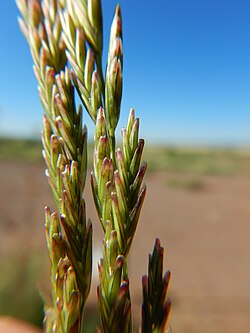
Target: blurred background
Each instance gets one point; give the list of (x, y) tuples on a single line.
[(187, 74)]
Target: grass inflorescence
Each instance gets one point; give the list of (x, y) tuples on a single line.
[(66, 44)]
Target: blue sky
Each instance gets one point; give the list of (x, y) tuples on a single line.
[(186, 71)]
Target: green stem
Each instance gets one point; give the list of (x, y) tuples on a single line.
[(100, 71), (112, 147)]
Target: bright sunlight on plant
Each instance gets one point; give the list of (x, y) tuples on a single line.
[(66, 42)]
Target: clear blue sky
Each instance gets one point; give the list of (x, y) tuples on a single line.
[(186, 71)]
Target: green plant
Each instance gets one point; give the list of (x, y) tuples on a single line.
[(65, 38)]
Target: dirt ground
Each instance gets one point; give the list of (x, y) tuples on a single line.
[(205, 233)]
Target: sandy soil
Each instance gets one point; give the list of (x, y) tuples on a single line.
[(205, 234), (11, 325)]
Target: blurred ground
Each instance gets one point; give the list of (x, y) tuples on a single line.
[(202, 219), (11, 325)]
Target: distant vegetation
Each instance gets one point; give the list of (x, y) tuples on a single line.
[(195, 161), (19, 293), (199, 161), (16, 149)]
